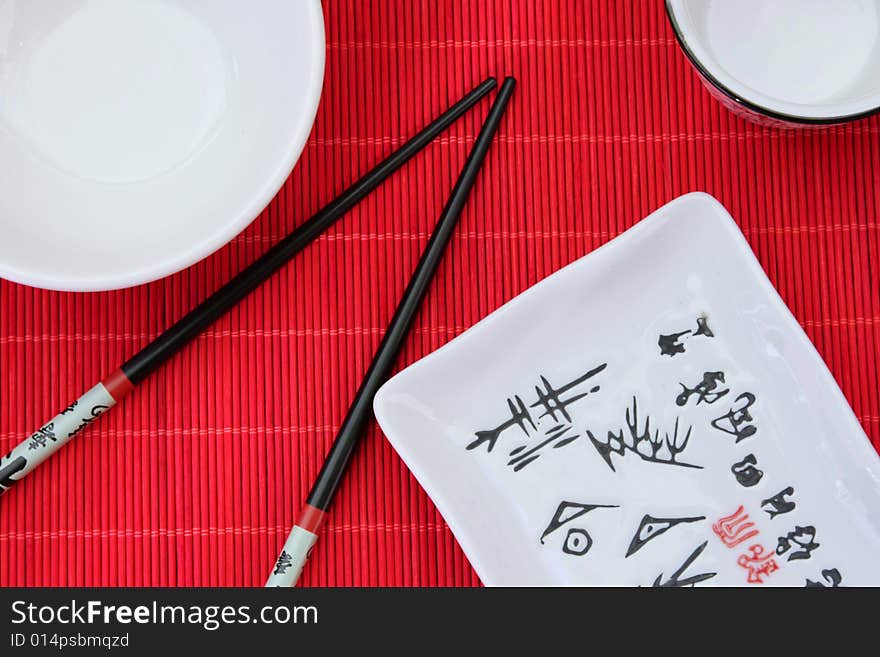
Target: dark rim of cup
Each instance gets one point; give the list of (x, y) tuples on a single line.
[(754, 107)]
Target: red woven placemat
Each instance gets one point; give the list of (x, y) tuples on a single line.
[(195, 479)]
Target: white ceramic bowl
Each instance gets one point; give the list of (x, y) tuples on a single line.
[(138, 137), (785, 61)]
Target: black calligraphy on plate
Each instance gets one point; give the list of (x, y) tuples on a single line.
[(577, 540), (746, 471), (651, 527), (737, 422), (673, 343), (538, 423), (648, 445), (832, 578), (798, 543), (778, 505), (551, 407), (676, 580), (706, 391)]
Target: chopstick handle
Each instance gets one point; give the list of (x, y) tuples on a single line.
[(297, 548), (53, 435)]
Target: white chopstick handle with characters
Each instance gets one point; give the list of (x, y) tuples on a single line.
[(297, 548), (53, 435)]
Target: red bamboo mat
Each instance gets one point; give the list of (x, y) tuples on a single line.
[(195, 479)]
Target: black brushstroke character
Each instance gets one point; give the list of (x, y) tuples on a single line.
[(831, 575), (553, 402), (778, 505), (551, 398), (745, 471), (42, 436), (670, 344), (519, 415), (703, 327), (803, 538), (706, 390), (651, 527), (95, 413), (10, 468), (647, 446), (70, 408), (735, 421), (674, 580), (577, 541), (285, 561), (522, 457), (555, 405)]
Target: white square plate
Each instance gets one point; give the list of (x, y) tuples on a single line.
[(529, 430)]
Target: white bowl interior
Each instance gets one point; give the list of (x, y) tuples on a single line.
[(137, 137), (804, 58)]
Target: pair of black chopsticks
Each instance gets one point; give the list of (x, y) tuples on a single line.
[(49, 438), (304, 534)]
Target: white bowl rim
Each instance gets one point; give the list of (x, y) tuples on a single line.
[(754, 100), (224, 235)]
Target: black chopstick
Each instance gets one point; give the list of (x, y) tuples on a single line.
[(35, 449), (304, 533)]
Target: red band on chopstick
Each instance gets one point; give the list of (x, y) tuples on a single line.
[(310, 518), (118, 385)]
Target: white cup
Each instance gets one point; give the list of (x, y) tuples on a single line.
[(785, 62)]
